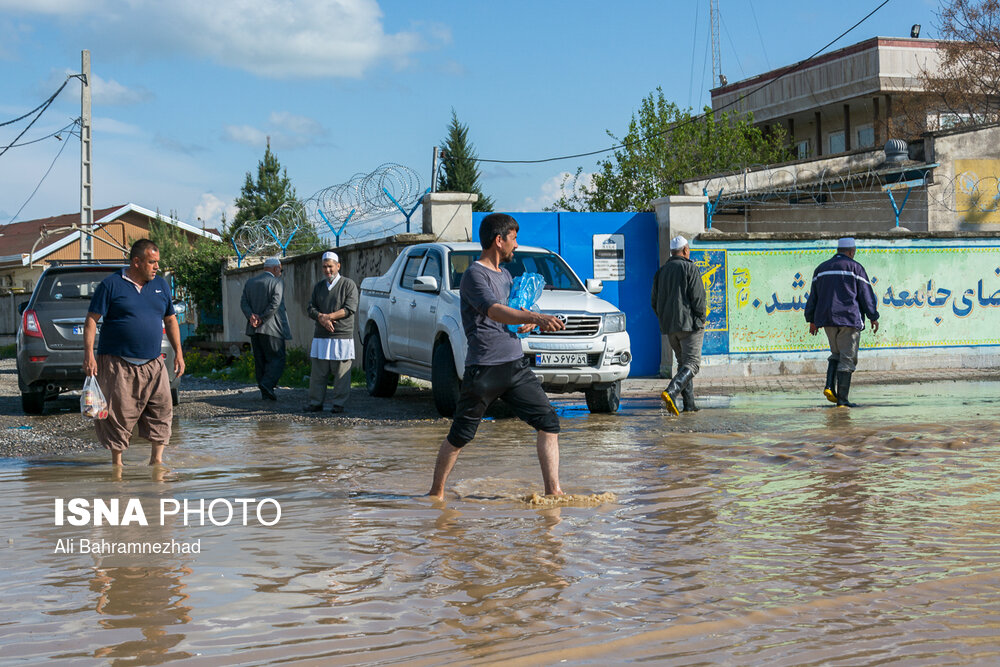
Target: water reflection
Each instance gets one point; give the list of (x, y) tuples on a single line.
[(149, 600), (774, 530)]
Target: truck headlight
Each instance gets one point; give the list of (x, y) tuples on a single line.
[(614, 322)]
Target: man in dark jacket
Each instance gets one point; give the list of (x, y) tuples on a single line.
[(333, 304), (840, 298), (263, 304), (679, 302)]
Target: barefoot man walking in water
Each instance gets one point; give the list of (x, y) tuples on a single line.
[(136, 307), (495, 366)]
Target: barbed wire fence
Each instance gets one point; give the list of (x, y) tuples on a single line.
[(369, 205), (870, 196)]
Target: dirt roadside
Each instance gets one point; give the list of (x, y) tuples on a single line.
[(62, 429)]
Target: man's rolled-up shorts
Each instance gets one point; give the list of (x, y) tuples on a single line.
[(515, 384), (137, 395)]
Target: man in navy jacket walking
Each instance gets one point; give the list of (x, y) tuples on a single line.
[(840, 298)]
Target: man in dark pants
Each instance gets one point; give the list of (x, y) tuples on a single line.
[(263, 304), (840, 298), (679, 301), (495, 366)]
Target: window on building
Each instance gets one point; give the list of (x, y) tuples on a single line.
[(836, 141), (866, 136), (802, 149)]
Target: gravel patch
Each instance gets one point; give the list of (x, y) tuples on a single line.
[(63, 430)]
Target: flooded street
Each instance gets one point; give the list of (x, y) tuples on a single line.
[(778, 531)]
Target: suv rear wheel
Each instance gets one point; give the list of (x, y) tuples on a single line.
[(606, 399), (33, 402), (445, 383), (379, 381)]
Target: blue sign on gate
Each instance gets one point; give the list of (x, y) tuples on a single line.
[(572, 236)]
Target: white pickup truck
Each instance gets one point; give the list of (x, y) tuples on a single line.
[(410, 324)]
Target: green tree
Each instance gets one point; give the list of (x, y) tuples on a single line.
[(459, 172), (195, 265), (261, 197), (663, 146)]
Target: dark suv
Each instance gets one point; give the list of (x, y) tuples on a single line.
[(50, 338)]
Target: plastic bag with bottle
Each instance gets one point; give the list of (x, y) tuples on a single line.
[(92, 401)]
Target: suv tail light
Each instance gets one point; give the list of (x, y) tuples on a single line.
[(29, 323)]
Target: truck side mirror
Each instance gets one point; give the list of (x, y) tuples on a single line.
[(425, 284), (595, 285)]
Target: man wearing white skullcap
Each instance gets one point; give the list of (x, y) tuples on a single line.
[(263, 304), (679, 301), (840, 298), (333, 303)]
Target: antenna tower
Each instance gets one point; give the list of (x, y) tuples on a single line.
[(713, 20)]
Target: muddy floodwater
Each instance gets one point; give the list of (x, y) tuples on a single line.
[(777, 531)]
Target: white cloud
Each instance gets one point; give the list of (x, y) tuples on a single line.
[(244, 134), (557, 186), (272, 38), (104, 92), (111, 126), (210, 210), (296, 124), (286, 131), (108, 92)]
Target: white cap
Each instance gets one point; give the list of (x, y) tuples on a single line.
[(678, 242), (272, 261), (328, 255), (846, 242)]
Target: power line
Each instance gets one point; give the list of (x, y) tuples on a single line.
[(47, 171), (45, 103), (759, 35), (47, 136), (693, 119), (40, 109)]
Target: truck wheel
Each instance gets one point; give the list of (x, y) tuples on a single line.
[(606, 400), (380, 382), (445, 383), (33, 402)]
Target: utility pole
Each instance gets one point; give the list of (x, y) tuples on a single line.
[(86, 175), (713, 19), (434, 170)]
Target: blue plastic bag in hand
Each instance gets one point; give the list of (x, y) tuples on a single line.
[(524, 293)]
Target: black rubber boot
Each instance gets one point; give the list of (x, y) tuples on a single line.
[(672, 394), (831, 382), (688, 396), (844, 389)]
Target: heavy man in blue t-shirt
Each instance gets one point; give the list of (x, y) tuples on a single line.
[(495, 366), (136, 307)]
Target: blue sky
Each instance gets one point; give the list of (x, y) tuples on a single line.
[(186, 91)]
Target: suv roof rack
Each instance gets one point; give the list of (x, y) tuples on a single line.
[(87, 262)]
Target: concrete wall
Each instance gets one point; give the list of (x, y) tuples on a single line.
[(301, 273), (964, 157), (10, 319), (447, 216), (938, 296)]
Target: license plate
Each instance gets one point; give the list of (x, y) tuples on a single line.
[(561, 359), (78, 330)]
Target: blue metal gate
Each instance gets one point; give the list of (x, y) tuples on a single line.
[(572, 236)]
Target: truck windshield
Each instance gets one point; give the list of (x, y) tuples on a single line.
[(550, 266)]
